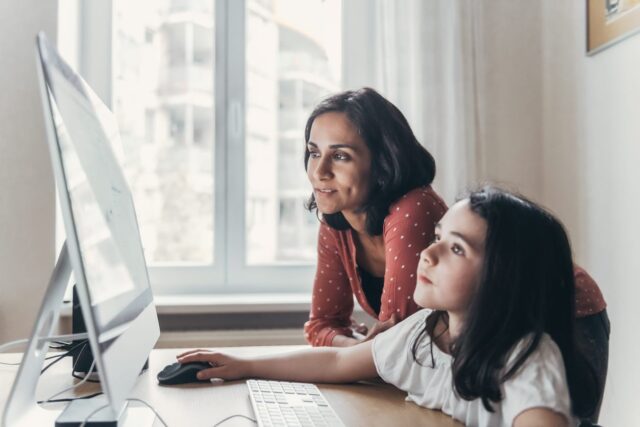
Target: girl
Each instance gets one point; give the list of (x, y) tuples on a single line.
[(495, 343)]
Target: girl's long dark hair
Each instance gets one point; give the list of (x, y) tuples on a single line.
[(526, 288), (398, 162)]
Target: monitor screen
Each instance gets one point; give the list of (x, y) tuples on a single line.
[(102, 209)]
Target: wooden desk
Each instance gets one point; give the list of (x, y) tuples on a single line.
[(361, 404)]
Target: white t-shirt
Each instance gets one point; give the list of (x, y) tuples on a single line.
[(540, 382)]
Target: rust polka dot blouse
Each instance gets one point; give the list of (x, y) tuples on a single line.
[(407, 230)]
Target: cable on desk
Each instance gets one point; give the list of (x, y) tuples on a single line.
[(83, 343), (75, 337), (84, 422), (74, 385), (70, 399), (234, 416), (18, 363), (133, 399)]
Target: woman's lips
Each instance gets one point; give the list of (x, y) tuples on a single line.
[(325, 192)]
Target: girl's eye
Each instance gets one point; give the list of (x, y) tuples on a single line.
[(456, 249)]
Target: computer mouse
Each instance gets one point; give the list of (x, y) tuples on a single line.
[(177, 373)]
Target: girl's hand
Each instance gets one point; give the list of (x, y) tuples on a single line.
[(381, 327), (222, 365)]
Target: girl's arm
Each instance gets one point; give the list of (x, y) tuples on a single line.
[(540, 417), (317, 365)]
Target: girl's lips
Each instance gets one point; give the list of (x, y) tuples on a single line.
[(424, 279)]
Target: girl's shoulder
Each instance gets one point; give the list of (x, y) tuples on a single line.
[(546, 352), (421, 199), (540, 382)]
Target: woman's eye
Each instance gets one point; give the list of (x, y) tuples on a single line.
[(341, 156), (314, 154)]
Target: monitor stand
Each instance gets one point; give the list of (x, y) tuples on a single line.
[(22, 408)]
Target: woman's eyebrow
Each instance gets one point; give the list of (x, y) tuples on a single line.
[(334, 146)]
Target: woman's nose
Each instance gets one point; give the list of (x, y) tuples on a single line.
[(321, 169)]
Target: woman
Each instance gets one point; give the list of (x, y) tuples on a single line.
[(371, 184)]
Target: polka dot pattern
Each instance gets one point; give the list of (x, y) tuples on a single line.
[(408, 227), (589, 299)]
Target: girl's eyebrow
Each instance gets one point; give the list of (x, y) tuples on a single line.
[(461, 236)]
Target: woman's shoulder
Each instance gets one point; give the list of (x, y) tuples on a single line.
[(419, 199), (329, 236), (422, 201)]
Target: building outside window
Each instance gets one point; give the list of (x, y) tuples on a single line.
[(217, 172)]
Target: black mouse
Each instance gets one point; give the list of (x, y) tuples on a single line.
[(177, 373)]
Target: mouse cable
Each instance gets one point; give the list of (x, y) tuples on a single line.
[(75, 337), (234, 416), (84, 422)]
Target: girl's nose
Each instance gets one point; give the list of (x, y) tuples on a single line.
[(429, 255)]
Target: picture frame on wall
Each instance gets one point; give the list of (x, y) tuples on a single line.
[(610, 21)]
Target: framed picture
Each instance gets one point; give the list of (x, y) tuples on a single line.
[(610, 21)]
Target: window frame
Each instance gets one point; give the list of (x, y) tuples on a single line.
[(230, 273)]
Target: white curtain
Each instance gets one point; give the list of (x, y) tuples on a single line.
[(424, 57)]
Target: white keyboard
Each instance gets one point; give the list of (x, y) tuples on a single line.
[(280, 403)]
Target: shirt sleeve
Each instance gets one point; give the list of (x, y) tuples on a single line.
[(408, 229), (589, 299), (391, 351), (332, 298), (540, 382)]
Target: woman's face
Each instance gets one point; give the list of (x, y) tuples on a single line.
[(339, 165), (449, 268)]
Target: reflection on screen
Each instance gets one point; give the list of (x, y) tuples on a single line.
[(101, 203)]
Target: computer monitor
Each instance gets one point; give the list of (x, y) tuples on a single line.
[(103, 248)]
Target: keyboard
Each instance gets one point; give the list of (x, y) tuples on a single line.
[(280, 403)]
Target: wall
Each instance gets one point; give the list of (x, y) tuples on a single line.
[(26, 191), (591, 153), (509, 82)]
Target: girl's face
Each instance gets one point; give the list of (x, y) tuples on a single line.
[(339, 165), (449, 268)]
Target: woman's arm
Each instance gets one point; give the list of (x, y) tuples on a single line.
[(318, 365), (332, 302), (540, 417)]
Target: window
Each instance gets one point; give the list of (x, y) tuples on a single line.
[(211, 98)]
